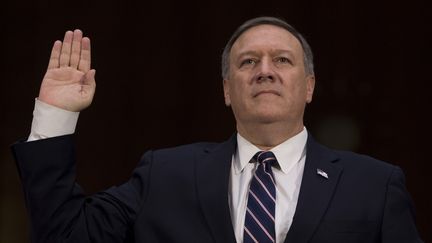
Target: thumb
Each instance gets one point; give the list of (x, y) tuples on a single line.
[(89, 78)]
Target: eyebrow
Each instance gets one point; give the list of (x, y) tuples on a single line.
[(256, 53)]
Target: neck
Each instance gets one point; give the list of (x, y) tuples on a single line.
[(268, 136)]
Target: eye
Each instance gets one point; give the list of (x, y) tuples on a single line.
[(283, 60), (248, 61)]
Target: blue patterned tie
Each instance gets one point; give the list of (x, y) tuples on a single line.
[(260, 211)]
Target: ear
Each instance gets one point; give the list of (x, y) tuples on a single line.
[(226, 92), (310, 86)]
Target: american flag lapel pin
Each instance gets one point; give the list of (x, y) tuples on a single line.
[(322, 173)]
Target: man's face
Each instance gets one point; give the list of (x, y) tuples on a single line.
[(267, 81)]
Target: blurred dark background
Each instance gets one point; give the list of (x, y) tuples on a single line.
[(159, 83)]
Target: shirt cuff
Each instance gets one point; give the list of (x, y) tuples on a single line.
[(50, 121)]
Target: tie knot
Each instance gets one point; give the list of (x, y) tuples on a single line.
[(265, 157)]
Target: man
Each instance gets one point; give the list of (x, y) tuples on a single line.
[(270, 182)]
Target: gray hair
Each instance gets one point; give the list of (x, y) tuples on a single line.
[(308, 56)]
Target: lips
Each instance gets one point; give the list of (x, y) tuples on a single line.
[(263, 92)]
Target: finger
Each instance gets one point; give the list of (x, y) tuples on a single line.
[(85, 60), (76, 48), (66, 49), (55, 55)]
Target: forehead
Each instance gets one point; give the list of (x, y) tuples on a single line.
[(266, 37)]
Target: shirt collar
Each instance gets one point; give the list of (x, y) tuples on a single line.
[(287, 153)]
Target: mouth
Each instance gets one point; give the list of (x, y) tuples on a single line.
[(266, 92)]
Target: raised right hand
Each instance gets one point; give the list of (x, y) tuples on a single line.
[(69, 83)]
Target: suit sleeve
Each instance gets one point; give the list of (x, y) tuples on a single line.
[(58, 209), (399, 216)]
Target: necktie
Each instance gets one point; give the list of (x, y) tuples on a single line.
[(260, 211)]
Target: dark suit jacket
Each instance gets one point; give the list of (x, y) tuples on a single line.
[(181, 195)]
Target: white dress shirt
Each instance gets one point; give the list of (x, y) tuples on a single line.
[(291, 156), (49, 121)]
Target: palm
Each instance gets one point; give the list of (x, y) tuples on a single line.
[(69, 83)]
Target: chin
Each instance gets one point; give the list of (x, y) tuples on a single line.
[(268, 117)]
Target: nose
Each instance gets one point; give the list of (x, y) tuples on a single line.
[(265, 71)]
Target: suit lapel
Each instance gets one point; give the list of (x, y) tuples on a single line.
[(316, 191), (213, 172)]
